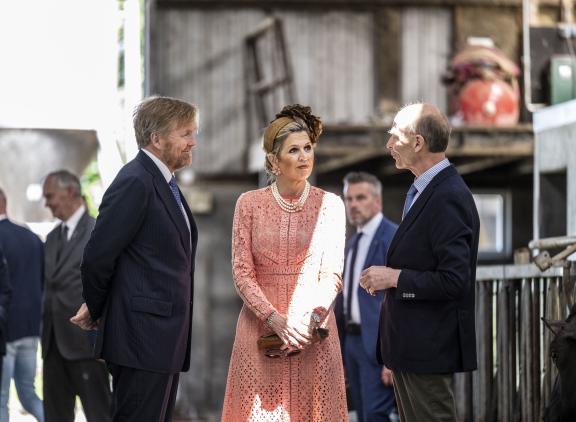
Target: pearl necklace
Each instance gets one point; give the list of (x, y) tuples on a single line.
[(290, 206)]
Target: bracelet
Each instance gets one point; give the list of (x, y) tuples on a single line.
[(269, 319)]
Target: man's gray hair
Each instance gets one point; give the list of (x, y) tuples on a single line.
[(65, 179), (363, 177)]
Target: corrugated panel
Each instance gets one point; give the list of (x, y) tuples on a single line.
[(197, 55), (332, 56), (426, 48)]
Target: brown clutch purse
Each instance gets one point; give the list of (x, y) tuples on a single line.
[(271, 343)]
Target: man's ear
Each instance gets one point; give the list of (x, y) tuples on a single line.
[(155, 140), (553, 325), (419, 144)]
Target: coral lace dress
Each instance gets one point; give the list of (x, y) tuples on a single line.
[(290, 263)]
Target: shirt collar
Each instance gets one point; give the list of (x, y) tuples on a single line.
[(372, 225), (72, 222), (425, 178), (160, 164), (3, 217)]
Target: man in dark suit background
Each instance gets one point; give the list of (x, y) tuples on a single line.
[(5, 295), (24, 253), (138, 268), (69, 368), (427, 328), (369, 382)]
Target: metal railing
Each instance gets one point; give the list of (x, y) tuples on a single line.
[(515, 374)]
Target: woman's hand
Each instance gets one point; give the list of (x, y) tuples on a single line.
[(295, 335)]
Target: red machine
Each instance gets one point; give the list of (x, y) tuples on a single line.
[(484, 87)]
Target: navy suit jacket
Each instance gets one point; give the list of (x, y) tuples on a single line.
[(24, 253), (427, 322), (369, 305), (138, 272)]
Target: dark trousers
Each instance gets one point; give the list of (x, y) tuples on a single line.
[(425, 397), (372, 400), (142, 396), (65, 379)]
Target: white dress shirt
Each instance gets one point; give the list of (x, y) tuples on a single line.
[(368, 232), (72, 222)]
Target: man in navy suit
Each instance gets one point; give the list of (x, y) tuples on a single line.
[(138, 267), (369, 382), (427, 319), (25, 256)]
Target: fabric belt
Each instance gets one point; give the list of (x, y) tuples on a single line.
[(353, 329)]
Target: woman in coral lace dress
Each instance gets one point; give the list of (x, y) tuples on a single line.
[(287, 254)]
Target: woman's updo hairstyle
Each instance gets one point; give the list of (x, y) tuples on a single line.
[(292, 119)]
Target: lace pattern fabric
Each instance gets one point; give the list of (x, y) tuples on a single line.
[(290, 263)]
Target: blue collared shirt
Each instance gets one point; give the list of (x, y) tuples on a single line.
[(425, 178)]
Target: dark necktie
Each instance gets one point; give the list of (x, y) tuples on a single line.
[(351, 267), (409, 199), (176, 193), (62, 240)]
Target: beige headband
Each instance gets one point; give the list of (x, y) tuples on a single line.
[(272, 130)]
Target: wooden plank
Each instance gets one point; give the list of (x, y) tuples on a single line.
[(483, 377), (536, 325), (524, 363), (503, 354), (351, 159), (426, 34), (484, 164), (496, 272), (353, 4), (387, 35), (462, 396)]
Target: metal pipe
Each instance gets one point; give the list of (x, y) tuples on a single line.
[(552, 242)]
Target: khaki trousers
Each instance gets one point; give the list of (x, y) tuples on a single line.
[(425, 397)]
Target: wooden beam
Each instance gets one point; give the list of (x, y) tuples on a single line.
[(351, 159), (333, 4), (484, 164)]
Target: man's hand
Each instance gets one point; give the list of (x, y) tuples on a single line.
[(387, 378), (378, 278), (83, 319)]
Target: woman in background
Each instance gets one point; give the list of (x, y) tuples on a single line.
[(287, 257)]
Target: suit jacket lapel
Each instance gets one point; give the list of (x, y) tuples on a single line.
[(193, 228), (418, 206), (50, 253), (173, 210), (71, 244), (376, 241), (167, 198)]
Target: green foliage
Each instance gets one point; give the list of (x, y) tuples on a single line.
[(91, 187)]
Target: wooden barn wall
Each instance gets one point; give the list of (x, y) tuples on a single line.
[(196, 54), (426, 49)]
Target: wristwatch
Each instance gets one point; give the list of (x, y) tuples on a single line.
[(315, 317)]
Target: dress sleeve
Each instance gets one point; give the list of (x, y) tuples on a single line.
[(330, 278), (243, 271)]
